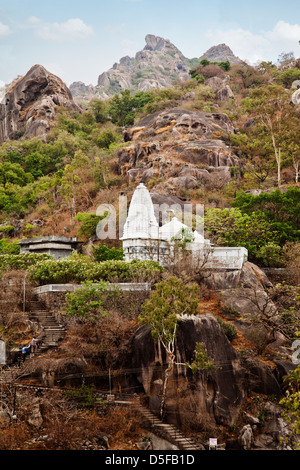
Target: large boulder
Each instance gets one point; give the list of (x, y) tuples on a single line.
[(29, 105), (216, 396)]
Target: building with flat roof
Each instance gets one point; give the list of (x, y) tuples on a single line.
[(56, 246)]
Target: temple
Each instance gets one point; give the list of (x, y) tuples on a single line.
[(144, 239)]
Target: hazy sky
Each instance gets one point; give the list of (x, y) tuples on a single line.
[(78, 40)]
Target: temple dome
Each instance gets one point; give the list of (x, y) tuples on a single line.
[(173, 229)]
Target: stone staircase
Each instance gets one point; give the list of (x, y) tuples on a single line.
[(52, 330), (167, 431)]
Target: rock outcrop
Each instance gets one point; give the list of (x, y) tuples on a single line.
[(216, 398), (180, 149), (29, 105)]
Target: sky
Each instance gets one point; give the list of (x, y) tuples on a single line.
[(79, 39)]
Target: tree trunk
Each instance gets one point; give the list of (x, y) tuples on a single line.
[(169, 369)]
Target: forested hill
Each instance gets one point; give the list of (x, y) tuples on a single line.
[(226, 136)]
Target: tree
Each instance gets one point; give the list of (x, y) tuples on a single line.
[(123, 108), (272, 109), (251, 229), (88, 301), (171, 299), (99, 109), (280, 209), (103, 253)]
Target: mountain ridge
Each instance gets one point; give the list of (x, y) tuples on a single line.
[(157, 65)]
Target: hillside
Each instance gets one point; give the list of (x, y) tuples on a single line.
[(225, 136)]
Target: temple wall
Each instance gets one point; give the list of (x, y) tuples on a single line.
[(217, 258)]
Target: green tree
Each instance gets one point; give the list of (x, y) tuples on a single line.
[(171, 299), (13, 173), (271, 107), (280, 209), (200, 359), (232, 227), (124, 107), (99, 109), (89, 224), (87, 302)]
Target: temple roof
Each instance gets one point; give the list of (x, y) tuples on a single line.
[(141, 221)]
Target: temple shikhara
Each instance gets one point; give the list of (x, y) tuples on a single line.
[(145, 239)]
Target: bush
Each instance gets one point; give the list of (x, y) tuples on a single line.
[(89, 224), (104, 253), (229, 329), (69, 270), (7, 248), (22, 261), (87, 301)]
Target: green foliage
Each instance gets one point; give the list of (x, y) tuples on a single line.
[(99, 109), (170, 299), (88, 300), (85, 395), (281, 209), (200, 359), (13, 173), (229, 329), (106, 138), (6, 229), (232, 227), (103, 253), (288, 76), (89, 223), (7, 248), (291, 412), (21, 261), (72, 270), (124, 107)]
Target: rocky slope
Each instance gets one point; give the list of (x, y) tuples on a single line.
[(158, 65), (29, 104), (219, 399), (178, 149)]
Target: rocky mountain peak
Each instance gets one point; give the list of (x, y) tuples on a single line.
[(221, 53), (154, 43), (157, 65)]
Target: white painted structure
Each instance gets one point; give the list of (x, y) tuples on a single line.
[(143, 239)]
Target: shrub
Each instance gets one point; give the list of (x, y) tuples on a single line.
[(69, 270), (21, 261), (7, 248), (104, 253), (229, 329), (87, 301), (89, 223)]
